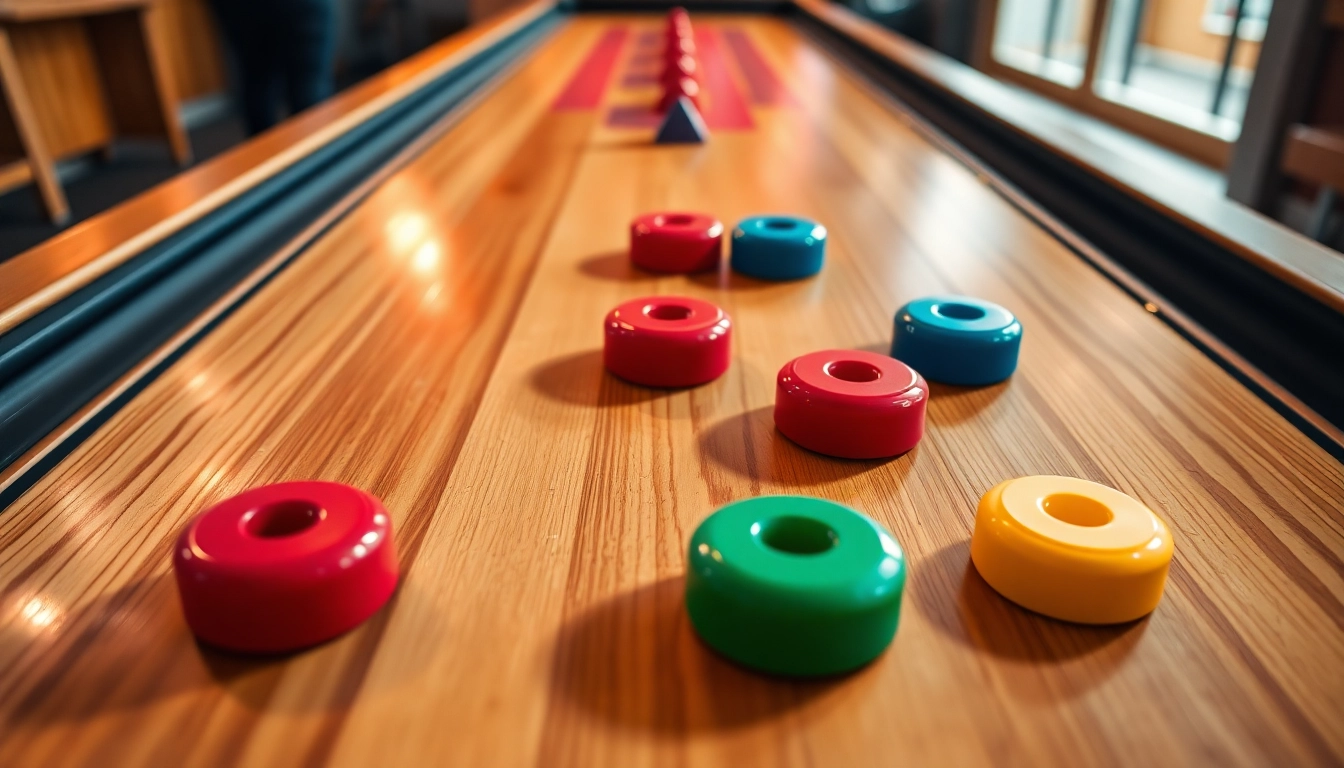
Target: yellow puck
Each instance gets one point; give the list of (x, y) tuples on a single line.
[(1071, 549)]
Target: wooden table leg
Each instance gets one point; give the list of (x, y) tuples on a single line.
[(141, 96), (157, 59), (25, 122)]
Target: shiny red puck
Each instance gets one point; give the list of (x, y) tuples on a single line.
[(851, 404), (678, 46), (285, 566), (667, 341), (682, 67), (676, 242), (675, 90)]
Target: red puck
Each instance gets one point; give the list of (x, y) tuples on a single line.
[(673, 91), (851, 404), (676, 242), (285, 566), (679, 46), (679, 68), (667, 341)]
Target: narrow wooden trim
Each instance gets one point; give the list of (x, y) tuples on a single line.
[(39, 10), (1096, 29), (40, 162), (1315, 154), (986, 15), (1284, 254), (43, 275)]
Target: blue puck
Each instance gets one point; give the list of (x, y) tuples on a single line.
[(778, 247), (957, 340)]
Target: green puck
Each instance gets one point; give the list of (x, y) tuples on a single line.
[(794, 585)]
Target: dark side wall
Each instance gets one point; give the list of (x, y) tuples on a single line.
[(945, 25)]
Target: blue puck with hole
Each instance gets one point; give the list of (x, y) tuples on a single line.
[(957, 340), (778, 247)]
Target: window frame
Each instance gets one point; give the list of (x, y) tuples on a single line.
[(1203, 147)]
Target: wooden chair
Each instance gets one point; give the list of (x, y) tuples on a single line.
[(77, 74)]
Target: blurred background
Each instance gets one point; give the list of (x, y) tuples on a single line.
[(1178, 73), (108, 97), (95, 82)]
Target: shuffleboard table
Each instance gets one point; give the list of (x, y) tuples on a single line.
[(435, 338)]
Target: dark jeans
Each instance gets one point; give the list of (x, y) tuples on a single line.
[(284, 51)]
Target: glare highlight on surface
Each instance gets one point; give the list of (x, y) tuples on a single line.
[(40, 613), (406, 229), (426, 257)]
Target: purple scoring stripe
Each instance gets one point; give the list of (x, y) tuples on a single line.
[(633, 116)]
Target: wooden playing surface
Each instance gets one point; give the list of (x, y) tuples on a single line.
[(440, 347)]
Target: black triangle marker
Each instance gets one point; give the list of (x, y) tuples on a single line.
[(682, 125)]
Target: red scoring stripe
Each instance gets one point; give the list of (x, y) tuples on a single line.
[(725, 109), (589, 83), (763, 85)]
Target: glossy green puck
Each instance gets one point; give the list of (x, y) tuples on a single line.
[(794, 585)]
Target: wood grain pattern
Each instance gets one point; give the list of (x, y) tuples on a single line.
[(29, 141), (440, 347), (185, 26), (192, 47), (44, 274), (58, 65)]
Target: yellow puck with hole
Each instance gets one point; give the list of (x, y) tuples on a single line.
[(1071, 549)]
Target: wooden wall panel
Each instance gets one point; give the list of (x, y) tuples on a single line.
[(61, 72)]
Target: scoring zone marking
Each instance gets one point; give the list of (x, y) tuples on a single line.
[(723, 104), (763, 86), (589, 84)]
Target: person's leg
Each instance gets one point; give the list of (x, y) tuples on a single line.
[(245, 29), (261, 91), (309, 56)]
